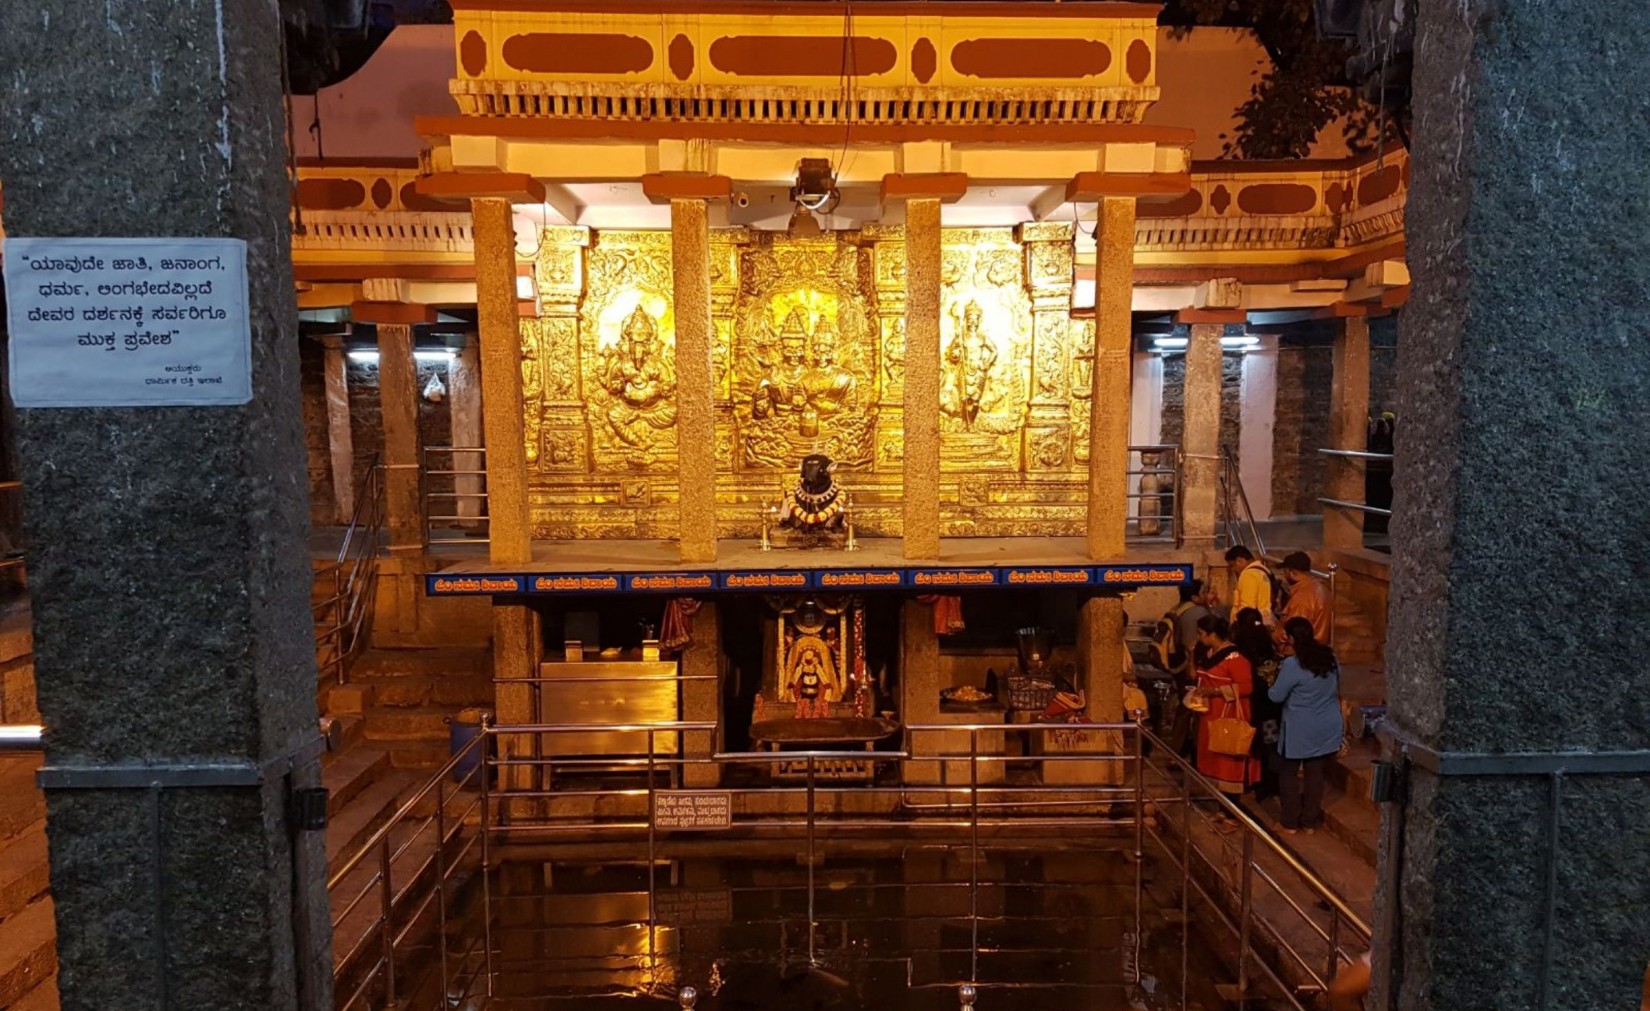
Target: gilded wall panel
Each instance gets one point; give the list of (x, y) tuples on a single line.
[(809, 356)]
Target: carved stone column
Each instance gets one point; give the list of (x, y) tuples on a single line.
[(922, 379), (340, 439), (398, 396), (464, 388), (1048, 279), (559, 444), (1200, 445), (510, 535), (1109, 397), (1348, 429), (695, 378)]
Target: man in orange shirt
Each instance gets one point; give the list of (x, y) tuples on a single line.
[(1308, 595)]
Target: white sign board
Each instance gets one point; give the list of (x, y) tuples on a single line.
[(692, 810), (128, 322)]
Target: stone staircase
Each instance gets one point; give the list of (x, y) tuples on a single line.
[(405, 697), (1357, 640), (28, 931)]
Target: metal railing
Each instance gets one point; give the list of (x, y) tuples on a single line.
[(342, 618), (1154, 512), (1358, 456), (454, 487), (12, 541), (1239, 527), (389, 886), (383, 893)]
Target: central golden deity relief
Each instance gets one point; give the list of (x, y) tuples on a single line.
[(641, 383), (804, 356)]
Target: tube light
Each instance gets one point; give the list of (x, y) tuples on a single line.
[(1170, 343), (369, 356), (1245, 341)]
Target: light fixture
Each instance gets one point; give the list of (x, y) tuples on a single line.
[(369, 356), (1170, 343), (815, 187), (1243, 341)]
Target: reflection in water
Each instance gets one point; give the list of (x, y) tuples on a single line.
[(1062, 929)]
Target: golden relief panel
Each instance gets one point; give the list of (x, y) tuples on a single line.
[(627, 343), (808, 357), (804, 354)]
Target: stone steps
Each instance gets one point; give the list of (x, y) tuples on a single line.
[(28, 932), (365, 813), (28, 954), (348, 772)]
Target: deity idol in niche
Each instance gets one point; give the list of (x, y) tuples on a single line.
[(811, 678), (641, 382), (783, 389), (966, 387)]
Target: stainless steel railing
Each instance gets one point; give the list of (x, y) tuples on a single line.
[(342, 617), (1239, 526), (1160, 799), (454, 487), (1357, 456)]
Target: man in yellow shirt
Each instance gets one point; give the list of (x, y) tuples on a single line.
[(1252, 584)]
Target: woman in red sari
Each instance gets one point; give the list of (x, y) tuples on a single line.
[(1226, 680)]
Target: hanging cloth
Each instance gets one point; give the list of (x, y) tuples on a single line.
[(676, 630)]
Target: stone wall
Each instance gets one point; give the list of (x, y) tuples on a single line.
[(1305, 376), (1383, 365), (1231, 399), (323, 506)]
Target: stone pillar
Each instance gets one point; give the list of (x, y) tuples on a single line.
[(168, 564), (695, 379), (1521, 431), (1200, 445), (1258, 424), (1348, 429), (464, 394), (516, 654), (922, 379), (403, 450), (1108, 506), (702, 700), (510, 534), (340, 441)]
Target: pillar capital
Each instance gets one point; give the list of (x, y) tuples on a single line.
[(946, 187), (392, 313), (517, 187), (665, 187)]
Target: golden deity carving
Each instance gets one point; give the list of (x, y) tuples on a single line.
[(532, 391), (966, 388), (804, 348), (893, 349), (640, 381)]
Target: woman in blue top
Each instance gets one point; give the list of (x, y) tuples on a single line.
[(1309, 689)]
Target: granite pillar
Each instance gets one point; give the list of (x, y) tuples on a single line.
[(168, 565), (921, 513), (510, 534), (1100, 648), (1519, 536), (695, 379), (340, 441), (516, 655), (702, 700), (1348, 429), (464, 396), (1108, 505), (403, 467), (1200, 443)]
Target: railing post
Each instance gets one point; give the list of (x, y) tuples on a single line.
[(1334, 967), (1139, 793), (652, 849), (441, 880), (1334, 599), (812, 960), (1245, 911), (386, 897), (974, 854), (966, 995), (487, 733)]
